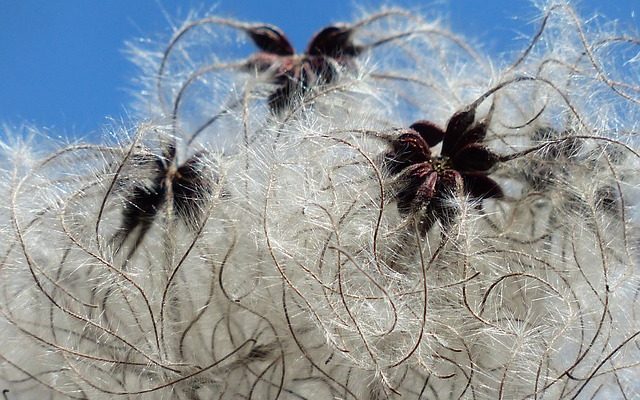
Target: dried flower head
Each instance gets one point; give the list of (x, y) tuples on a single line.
[(290, 272), (427, 181), (184, 188), (294, 74)]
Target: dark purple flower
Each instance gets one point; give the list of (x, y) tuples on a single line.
[(294, 74), (427, 181), (185, 186)]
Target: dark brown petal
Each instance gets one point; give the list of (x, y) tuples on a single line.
[(405, 197), (280, 99), (143, 203), (191, 189), (443, 210), (427, 189), (412, 144), (189, 200), (480, 186), (334, 42), (449, 183), (140, 208), (412, 181), (271, 40), (320, 69), (296, 78), (459, 123), (476, 134), (474, 157), (421, 170), (408, 149), (430, 132)]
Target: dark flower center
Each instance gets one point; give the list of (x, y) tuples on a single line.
[(441, 164)]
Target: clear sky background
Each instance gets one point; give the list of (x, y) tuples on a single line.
[(62, 65)]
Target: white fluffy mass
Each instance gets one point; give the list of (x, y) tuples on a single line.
[(221, 249)]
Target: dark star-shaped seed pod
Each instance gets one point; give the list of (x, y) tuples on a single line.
[(187, 187), (295, 74), (426, 182)]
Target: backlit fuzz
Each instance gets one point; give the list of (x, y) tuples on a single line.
[(183, 188), (297, 277), (426, 182)]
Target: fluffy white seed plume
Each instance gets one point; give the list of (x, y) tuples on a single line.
[(276, 230)]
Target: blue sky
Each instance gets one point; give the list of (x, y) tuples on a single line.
[(62, 64)]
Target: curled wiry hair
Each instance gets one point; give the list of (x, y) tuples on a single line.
[(332, 244)]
